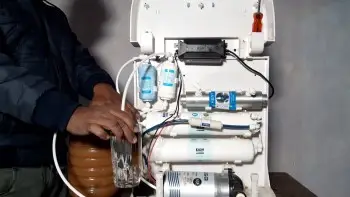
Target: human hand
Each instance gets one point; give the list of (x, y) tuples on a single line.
[(105, 95), (97, 119)]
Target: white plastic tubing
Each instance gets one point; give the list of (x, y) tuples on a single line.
[(203, 150)]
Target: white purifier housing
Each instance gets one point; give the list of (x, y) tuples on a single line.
[(219, 109)]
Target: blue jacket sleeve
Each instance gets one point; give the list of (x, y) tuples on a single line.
[(32, 99), (24, 94), (88, 72)]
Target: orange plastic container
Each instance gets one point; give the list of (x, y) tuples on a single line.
[(90, 167)]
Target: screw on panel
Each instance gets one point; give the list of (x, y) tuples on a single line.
[(213, 4), (188, 5), (252, 92), (201, 5), (146, 6), (253, 116)]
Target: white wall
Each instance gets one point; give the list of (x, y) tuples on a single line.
[(103, 26), (310, 69)]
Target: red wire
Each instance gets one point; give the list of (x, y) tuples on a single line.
[(150, 152)]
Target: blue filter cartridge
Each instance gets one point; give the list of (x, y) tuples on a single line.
[(147, 82)]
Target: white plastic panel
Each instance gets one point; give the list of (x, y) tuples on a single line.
[(231, 20), (199, 18)]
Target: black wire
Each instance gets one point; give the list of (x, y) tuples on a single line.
[(145, 159), (168, 123), (252, 71), (177, 109), (181, 86)]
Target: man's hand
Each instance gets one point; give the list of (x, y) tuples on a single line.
[(97, 119), (105, 95)]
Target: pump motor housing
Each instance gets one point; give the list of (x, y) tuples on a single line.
[(202, 184)]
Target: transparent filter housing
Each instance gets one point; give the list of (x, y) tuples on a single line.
[(126, 162)]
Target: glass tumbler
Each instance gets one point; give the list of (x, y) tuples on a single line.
[(127, 162)]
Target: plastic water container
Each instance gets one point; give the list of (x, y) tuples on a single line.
[(90, 168), (147, 82)]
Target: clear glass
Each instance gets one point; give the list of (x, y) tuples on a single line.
[(127, 162)]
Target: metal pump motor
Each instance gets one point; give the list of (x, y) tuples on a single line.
[(202, 184)]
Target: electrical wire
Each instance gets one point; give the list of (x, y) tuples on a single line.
[(240, 60), (144, 157), (155, 138), (158, 126), (184, 121), (148, 183), (177, 109), (162, 125)]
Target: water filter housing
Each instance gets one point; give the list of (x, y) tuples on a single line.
[(147, 78), (168, 81)]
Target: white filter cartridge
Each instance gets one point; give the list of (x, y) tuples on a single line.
[(203, 150), (168, 81)]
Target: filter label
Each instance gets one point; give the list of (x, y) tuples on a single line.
[(223, 100), (199, 149), (146, 85), (147, 82), (169, 77)]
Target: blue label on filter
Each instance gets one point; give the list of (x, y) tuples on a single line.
[(147, 82), (223, 100), (205, 125), (233, 97), (146, 85), (212, 100), (169, 77), (146, 78)]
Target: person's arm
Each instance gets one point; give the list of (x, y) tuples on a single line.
[(87, 72), (31, 98), (24, 94)]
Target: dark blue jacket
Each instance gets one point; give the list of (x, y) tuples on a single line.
[(43, 69)]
